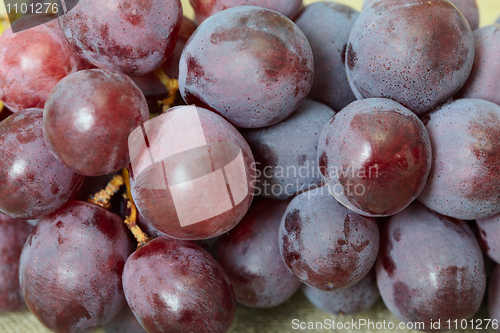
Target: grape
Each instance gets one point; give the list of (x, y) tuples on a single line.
[(251, 65), (183, 164), (327, 25), (430, 267), (206, 8), (171, 65), (351, 300), (176, 286), (33, 61), (483, 81), (326, 245), (285, 153), (13, 235), (71, 268), (124, 322), (494, 296), (467, 7), (375, 156), (489, 232), (464, 182), (416, 52), (130, 36), (34, 183), (250, 256), (88, 117)]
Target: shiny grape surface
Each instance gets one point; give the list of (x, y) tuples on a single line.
[(176, 286), (430, 267), (251, 65), (33, 182), (33, 61), (285, 153), (88, 117), (464, 181), (326, 245), (250, 256), (186, 144), (391, 55), (327, 26), (13, 235), (375, 156), (71, 268), (131, 36)]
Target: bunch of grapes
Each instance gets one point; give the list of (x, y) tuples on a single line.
[(156, 171)]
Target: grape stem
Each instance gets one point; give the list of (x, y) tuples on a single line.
[(103, 197), (172, 86)]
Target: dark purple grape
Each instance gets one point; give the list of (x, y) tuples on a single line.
[(326, 245), (467, 7), (13, 235), (483, 81), (251, 65), (176, 286), (33, 183), (88, 117), (192, 173), (206, 8), (71, 268), (375, 156), (250, 256), (285, 153), (327, 25), (130, 36), (494, 296), (32, 61), (430, 267), (489, 233), (464, 181), (416, 52), (356, 298), (124, 322)]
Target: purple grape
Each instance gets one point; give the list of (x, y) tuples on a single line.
[(124, 322), (176, 286), (32, 61), (464, 181), (327, 25), (34, 183), (416, 52), (356, 298), (430, 267), (88, 117), (285, 153), (489, 233), (71, 268), (250, 256), (251, 65), (483, 81), (130, 36), (326, 245), (494, 296), (375, 156), (206, 8), (192, 173), (13, 235)]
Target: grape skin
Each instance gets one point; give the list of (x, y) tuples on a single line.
[(430, 267), (324, 244), (131, 37), (33, 61), (464, 182), (285, 153), (327, 25), (391, 55), (489, 233), (13, 235), (34, 183), (88, 117), (251, 65), (176, 286), (250, 256), (124, 322), (71, 268)]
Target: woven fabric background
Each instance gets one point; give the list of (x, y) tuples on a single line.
[(279, 319)]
